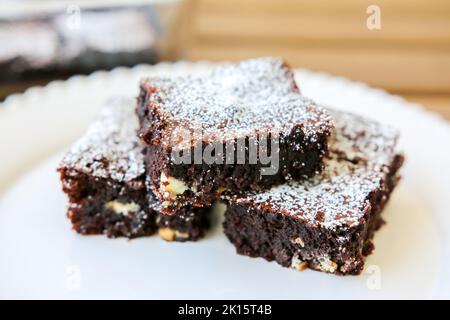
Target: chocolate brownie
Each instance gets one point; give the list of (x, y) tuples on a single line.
[(28, 49), (242, 126), (104, 177), (327, 222), (106, 38), (56, 45)]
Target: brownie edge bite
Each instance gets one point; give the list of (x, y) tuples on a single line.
[(214, 122), (327, 222), (104, 176)]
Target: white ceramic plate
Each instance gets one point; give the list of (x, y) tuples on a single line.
[(40, 257)]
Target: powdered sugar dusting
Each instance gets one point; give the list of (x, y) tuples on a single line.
[(110, 147), (35, 42), (236, 100), (131, 29), (361, 151)]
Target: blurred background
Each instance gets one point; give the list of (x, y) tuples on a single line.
[(402, 46)]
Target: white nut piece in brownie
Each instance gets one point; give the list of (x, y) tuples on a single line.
[(325, 264), (122, 208), (170, 234), (171, 187)]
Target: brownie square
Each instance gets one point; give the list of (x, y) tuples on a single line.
[(29, 49), (327, 222), (242, 126), (105, 179), (106, 39)]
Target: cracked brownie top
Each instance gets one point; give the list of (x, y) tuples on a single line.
[(362, 154), (235, 100), (110, 148)]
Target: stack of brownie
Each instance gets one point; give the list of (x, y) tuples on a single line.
[(105, 178), (304, 185)]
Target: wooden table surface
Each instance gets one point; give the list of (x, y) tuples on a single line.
[(408, 56)]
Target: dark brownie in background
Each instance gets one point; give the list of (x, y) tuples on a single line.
[(243, 102), (325, 223), (54, 45), (104, 177), (107, 38), (29, 50)]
